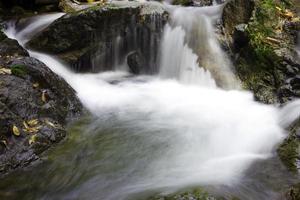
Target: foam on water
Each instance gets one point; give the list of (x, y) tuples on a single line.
[(210, 136)]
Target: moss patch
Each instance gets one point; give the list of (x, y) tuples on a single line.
[(196, 194), (289, 150), (19, 70)]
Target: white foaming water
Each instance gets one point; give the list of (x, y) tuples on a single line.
[(179, 62), (194, 27), (211, 136)]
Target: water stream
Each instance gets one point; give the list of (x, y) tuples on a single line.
[(162, 133)]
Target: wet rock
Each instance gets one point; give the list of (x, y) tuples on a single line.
[(202, 2), (183, 2), (10, 47), (193, 2), (103, 36), (236, 12), (135, 62), (35, 105), (240, 37), (70, 6)]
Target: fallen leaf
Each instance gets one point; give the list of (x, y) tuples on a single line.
[(16, 130), (32, 139), (50, 123), (5, 71), (25, 125), (44, 96), (3, 142), (35, 85), (278, 8), (33, 122)]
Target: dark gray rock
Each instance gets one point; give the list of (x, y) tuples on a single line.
[(240, 37), (10, 47), (103, 36), (31, 91), (135, 62), (236, 12)]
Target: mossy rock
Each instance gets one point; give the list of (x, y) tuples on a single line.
[(289, 150), (196, 194), (19, 70)]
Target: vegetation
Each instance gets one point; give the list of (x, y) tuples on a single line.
[(267, 22)]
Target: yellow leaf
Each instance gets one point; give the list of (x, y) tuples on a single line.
[(44, 96), (35, 85), (25, 125), (33, 122), (4, 142), (16, 130), (278, 8), (32, 139), (50, 123), (5, 71)]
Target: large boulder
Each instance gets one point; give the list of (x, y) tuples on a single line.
[(35, 105), (236, 12), (100, 37)]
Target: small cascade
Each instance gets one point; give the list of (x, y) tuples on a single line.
[(196, 38), (179, 62)]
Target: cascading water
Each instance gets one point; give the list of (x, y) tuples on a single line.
[(189, 42), (160, 133)]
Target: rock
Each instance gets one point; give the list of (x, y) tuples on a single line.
[(193, 2), (70, 6), (31, 91), (183, 2), (202, 2), (240, 37), (102, 36), (135, 62), (236, 12), (10, 47)]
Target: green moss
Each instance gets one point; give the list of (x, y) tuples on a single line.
[(196, 194), (19, 70), (289, 150)]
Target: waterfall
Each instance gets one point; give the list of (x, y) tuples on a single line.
[(190, 49), (179, 62), (170, 131)]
